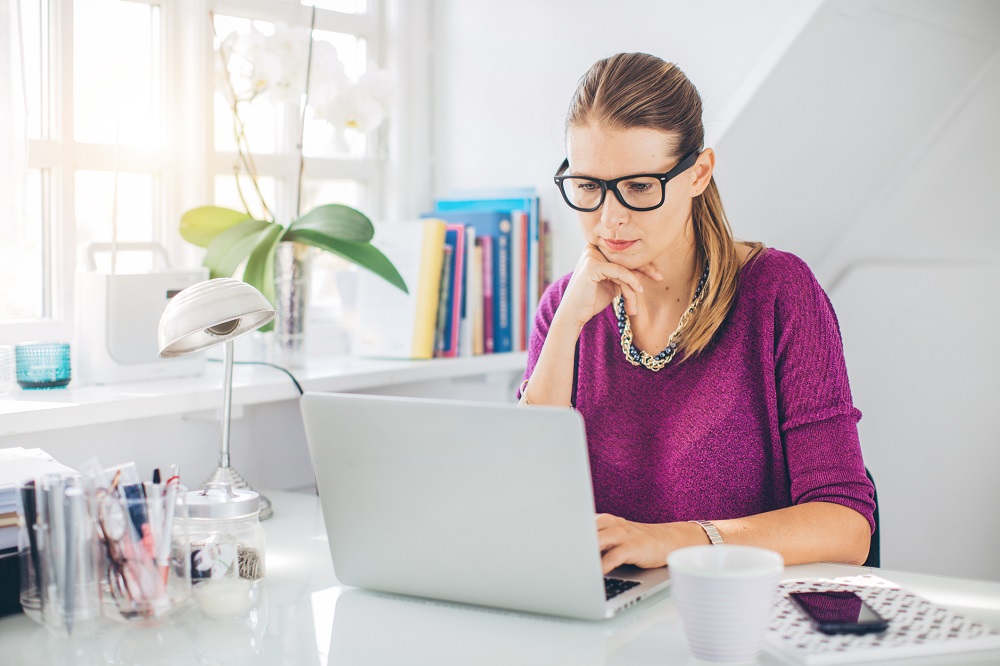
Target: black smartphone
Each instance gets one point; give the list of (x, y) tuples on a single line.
[(839, 612)]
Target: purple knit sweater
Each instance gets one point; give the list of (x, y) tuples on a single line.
[(762, 419)]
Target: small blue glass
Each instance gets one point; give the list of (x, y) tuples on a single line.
[(43, 365)]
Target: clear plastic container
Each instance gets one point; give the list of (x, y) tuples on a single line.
[(145, 574), (57, 555), (227, 550)]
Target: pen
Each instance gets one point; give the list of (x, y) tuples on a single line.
[(136, 502), (170, 496), (71, 497)]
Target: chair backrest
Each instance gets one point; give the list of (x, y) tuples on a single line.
[(874, 549)]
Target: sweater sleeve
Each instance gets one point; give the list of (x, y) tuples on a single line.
[(544, 314), (816, 413)]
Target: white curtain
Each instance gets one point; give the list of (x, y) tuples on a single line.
[(13, 119)]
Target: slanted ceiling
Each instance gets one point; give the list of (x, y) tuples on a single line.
[(848, 113)]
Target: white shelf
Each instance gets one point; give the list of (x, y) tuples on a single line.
[(36, 411)]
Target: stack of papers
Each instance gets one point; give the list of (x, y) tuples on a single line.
[(16, 465), (916, 626)]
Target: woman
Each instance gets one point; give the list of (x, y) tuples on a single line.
[(709, 373)]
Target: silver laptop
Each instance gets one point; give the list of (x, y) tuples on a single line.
[(481, 503)]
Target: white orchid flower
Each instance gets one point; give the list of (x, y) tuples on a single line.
[(271, 66), (362, 106)]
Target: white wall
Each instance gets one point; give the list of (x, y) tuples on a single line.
[(881, 160), (859, 134), (504, 73)]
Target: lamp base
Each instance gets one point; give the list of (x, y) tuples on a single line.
[(232, 477)]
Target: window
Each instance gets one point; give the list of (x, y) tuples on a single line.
[(124, 132), (338, 167)]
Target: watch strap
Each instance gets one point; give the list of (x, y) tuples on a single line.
[(711, 530)]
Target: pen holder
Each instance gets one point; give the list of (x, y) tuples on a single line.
[(145, 567), (42, 365), (57, 556)]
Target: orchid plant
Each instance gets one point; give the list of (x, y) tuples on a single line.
[(290, 67)]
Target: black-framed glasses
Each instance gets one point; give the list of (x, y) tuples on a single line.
[(640, 192)]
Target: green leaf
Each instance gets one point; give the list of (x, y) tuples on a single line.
[(201, 225), (260, 265), (232, 246), (337, 221), (365, 255)]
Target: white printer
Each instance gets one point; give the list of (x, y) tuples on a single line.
[(117, 314)]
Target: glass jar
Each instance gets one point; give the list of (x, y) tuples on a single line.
[(227, 549)]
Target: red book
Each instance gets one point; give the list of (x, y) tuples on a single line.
[(488, 318), (521, 296)]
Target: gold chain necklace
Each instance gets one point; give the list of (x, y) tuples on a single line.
[(638, 357)]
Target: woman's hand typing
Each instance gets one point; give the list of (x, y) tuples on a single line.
[(644, 545)]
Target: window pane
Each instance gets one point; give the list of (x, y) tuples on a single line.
[(320, 137), (316, 192), (328, 268), (116, 80), (260, 116), (22, 255), (346, 6), (228, 195), (137, 193), (260, 124), (352, 51), (35, 42)]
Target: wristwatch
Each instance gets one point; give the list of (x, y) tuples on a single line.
[(711, 530)]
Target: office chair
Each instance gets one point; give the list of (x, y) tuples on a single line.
[(874, 549)]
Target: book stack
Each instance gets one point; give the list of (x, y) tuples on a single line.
[(475, 268)]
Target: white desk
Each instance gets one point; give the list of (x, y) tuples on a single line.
[(176, 421), (313, 620)]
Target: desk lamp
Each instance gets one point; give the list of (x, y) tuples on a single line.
[(204, 315)]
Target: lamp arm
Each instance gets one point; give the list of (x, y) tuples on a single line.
[(227, 404)]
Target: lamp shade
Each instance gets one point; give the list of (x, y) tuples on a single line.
[(208, 313)]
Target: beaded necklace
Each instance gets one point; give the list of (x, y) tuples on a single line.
[(638, 357)]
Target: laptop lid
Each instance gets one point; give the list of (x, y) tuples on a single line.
[(482, 503)]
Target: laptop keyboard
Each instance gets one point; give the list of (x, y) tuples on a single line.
[(615, 586)]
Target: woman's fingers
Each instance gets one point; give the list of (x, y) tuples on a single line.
[(650, 271), (631, 298), (612, 559)]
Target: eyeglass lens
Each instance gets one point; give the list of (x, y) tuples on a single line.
[(638, 192)]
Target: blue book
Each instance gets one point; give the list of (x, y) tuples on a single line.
[(509, 200), (454, 239), (497, 225)]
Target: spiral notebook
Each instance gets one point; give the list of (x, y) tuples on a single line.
[(917, 627)]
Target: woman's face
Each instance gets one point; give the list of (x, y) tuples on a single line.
[(627, 237)]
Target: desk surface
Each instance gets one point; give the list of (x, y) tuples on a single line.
[(311, 619)]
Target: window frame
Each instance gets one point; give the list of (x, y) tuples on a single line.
[(187, 162)]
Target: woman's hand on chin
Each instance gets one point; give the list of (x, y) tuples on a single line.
[(597, 281)]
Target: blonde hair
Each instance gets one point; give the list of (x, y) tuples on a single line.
[(630, 90)]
